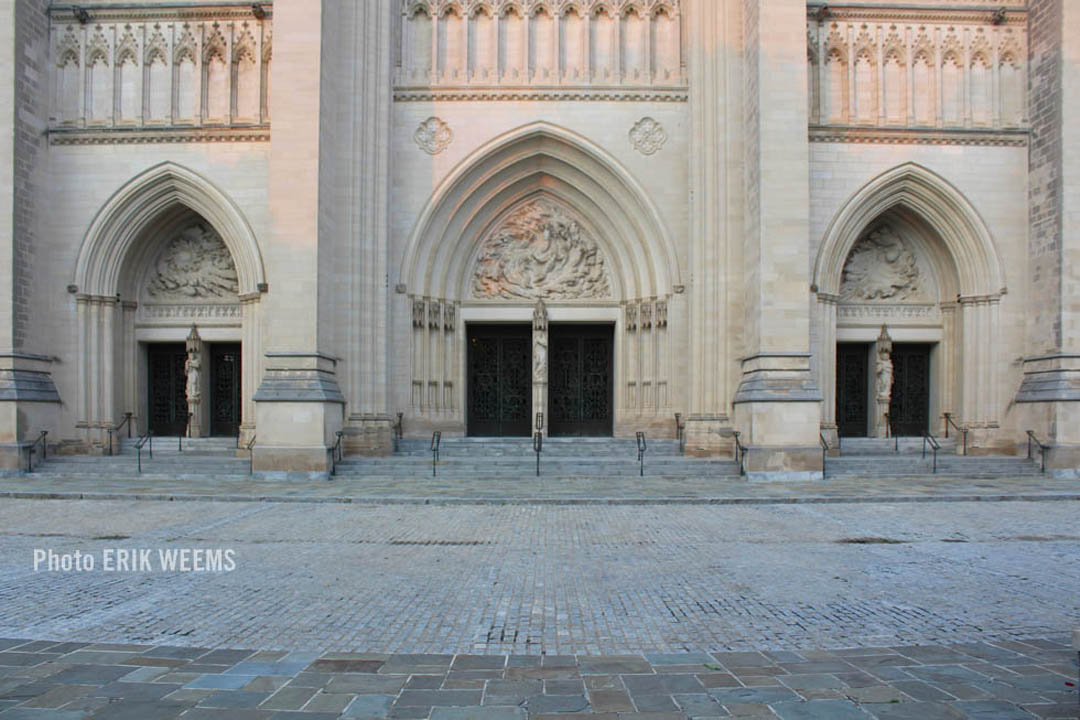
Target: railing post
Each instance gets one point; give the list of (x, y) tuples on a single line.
[(110, 431), (436, 439), (538, 446), (128, 416), (1029, 444), (138, 461), (965, 441), (642, 446)]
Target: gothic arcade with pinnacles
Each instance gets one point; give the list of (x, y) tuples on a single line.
[(793, 220)]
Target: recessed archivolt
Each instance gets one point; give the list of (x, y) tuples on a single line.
[(539, 161), (119, 242), (957, 239)]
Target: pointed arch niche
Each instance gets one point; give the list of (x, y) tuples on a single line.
[(121, 303), (910, 252), (551, 173)]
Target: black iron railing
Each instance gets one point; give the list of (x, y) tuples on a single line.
[(680, 431), (1042, 450), (251, 455), (934, 446), (335, 452), (118, 428), (740, 453), (962, 430), (42, 440), (538, 447), (147, 438), (642, 446), (436, 439), (824, 452), (399, 430)]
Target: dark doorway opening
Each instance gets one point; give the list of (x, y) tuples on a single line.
[(852, 389), (580, 380), (909, 405), (225, 388), (499, 382), (167, 396)]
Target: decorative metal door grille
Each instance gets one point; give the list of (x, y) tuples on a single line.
[(499, 380), (909, 406), (224, 388), (167, 395), (580, 380), (852, 382)]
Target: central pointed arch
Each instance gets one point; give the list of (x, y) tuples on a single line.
[(539, 158), (927, 195)]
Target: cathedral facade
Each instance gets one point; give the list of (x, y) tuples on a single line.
[(306, 222)]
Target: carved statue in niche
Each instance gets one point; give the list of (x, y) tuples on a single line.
[(540, 342), (661, 313), (538, 252), (631, 317), (881, 266), (448, 317), (195, 265), (418, 313), (434, 315), (646, 315), (192, 370), (884, 371)]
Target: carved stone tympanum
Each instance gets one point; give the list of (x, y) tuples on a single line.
[(881, 266), (195, 265), (540, 253)]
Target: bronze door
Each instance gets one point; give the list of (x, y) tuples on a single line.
[(224, 388), (580, 380), (499, 380), (852, 385), (909, 406), (167, 396)]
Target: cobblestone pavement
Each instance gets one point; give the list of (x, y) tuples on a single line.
[(597, 579), (688, 490), (1005, 680)]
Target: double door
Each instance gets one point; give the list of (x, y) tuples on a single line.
[(909, 403), (167, 391)]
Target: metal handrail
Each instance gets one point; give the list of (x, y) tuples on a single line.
[(962, 430), (398, 430), (740, 453), (934, 445), (680, 431), (538, 447), (824, 452), (251, 455), (117, 428), (41, 439), (1042, 449), (436, 440), (335, 452), (539, 424), (180, 436), (642, 446), (148, 437)]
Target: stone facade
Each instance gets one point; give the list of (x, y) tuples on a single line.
[(344, 194)]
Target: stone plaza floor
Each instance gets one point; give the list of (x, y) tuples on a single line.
[(945, 608)]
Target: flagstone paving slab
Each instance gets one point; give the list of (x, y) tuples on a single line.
[(639, 690)]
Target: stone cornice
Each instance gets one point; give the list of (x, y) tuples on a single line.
[(519, 94), (194, 11), (918, 136), (144, 136)]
